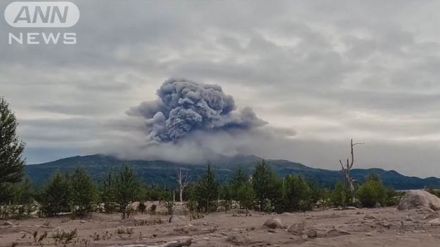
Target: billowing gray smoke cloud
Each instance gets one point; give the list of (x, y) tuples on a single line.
[(185, 107)]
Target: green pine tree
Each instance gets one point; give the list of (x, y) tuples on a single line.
[(23, 192), (83, 193), (246, 196), (207, 191), (56, 196), (108, 193), (267, 187), (11, 149), (125, 189), (239, 178)]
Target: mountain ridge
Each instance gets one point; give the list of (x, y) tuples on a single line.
[(160, 172)]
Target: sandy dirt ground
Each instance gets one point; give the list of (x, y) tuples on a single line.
[(355, 227)]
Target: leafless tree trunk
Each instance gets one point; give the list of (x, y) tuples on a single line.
[(183, 181), (346, 170)]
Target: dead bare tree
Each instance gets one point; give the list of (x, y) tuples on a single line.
[(183, 180), (346, 170)]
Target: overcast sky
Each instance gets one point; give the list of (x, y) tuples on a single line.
[(319, 72)]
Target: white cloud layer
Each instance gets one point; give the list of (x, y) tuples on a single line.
[(327, 70)]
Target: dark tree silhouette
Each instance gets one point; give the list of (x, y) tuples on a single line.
[(11, 149)]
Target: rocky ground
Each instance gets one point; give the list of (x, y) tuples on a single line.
[(353, 227)]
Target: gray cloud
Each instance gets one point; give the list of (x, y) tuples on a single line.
[(328, 70)]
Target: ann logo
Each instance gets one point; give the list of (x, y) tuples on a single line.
[(42, 14), (50, 14)]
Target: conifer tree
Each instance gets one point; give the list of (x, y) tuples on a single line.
[(11, 149), (83, 192), (56, 196), (207, 191), (126, 189), (267, 187)]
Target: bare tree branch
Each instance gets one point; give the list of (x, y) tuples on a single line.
[(183, 180), (349, 182)]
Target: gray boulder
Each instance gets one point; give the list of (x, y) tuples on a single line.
[(414, 199)]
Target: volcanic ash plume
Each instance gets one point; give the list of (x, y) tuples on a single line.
[(184, 107)]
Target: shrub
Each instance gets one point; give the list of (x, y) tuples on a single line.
[(341, 196), (372, 193), (392, 197), (297, 194), (142, 207)]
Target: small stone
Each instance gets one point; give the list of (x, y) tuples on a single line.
[(238, 239), (8, 223), (312, 233), (297, 228), (435, 222), (369, 217), (335, 232), (273, 223), (386, 224)]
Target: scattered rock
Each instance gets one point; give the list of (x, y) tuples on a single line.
[(252, 228), (435, 222), (177, 219), (286, 214), (369, 217), (414, 199), (335, 232), (274, 223), (430, 216), (175, 243), (312, 233), (350, 208), (297, 228), (385, 224), (425, 211), (8, 223), (185, 229)]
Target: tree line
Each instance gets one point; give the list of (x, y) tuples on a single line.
[(77, 194)]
